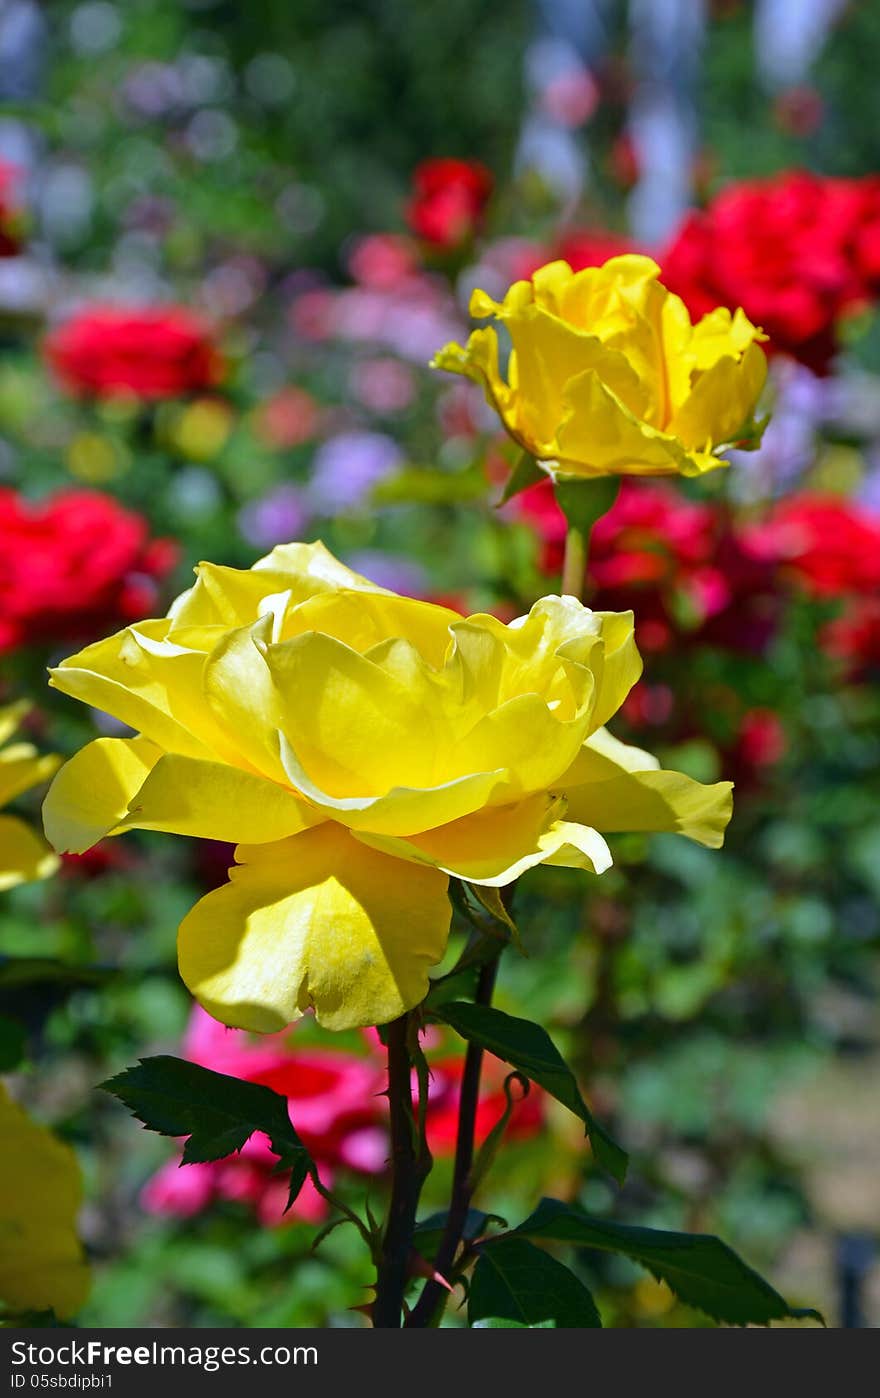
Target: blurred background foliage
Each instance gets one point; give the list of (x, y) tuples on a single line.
[(254, 163)]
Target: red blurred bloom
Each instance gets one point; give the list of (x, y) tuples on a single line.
[(829, 545), (798, 252), (152, 353), (448, 201), (10, 210), (74, 566)]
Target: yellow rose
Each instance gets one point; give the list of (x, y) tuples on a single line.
[(41, 1261), (24, 855), (359, 747), (607, 375)]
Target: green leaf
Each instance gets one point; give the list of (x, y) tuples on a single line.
[(217, 1112), (529, 1048), (429, 1231), (515, 1281), (495, 1323), (526, 472), (13, 1043), (702, 1270)]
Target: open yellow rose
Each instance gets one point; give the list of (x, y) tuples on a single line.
[(24, 855), (41, 1261), (607, 376), (359, 747)]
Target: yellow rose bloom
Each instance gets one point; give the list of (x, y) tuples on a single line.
[(41, 1261), (360, 748), (607, 375), (24, 855)]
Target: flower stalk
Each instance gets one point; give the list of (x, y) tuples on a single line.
[(410, 1164)]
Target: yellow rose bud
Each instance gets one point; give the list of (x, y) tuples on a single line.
[(607, 376), (41, 1261), (360, 748), (24, 855)]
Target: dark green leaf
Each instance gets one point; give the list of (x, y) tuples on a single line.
[(13, 1042), (526, 472), (515, 1281), (529, 1048), (494, 1323), (429, 1231), (702, 1270), (18, 971), (218, 1113)]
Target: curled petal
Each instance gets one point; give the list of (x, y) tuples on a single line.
[(90, 795), (24, 856), (315, 921)]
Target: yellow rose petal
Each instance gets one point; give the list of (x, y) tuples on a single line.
[(24, 856), (186, 796), (42, 1266), (315, 921), (90, 796)]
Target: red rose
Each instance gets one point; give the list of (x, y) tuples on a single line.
[(828, 545), (448, 201), (10, 210), (153, 353), (798, 252), (74, 566)]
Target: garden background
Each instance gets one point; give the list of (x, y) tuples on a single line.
[(258, 173)]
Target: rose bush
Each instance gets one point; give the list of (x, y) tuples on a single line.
[(360, 748)]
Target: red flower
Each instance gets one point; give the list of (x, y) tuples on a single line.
[(828, 545), (10, 210), (798, 252), (150, 354), (74, 566), (448, 201)]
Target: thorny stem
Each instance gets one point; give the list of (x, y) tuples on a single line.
[(410, 1164), (434, 1293)]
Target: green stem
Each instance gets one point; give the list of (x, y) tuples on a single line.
[(409, 1166), (574, 567)]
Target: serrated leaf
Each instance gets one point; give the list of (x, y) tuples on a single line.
[(529, 1048), (702, 1270), (216, 1112), (515, 1281)]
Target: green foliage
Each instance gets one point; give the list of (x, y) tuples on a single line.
[(518, 1283), (216, 1112), (703, 1271), (529, 1049)]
